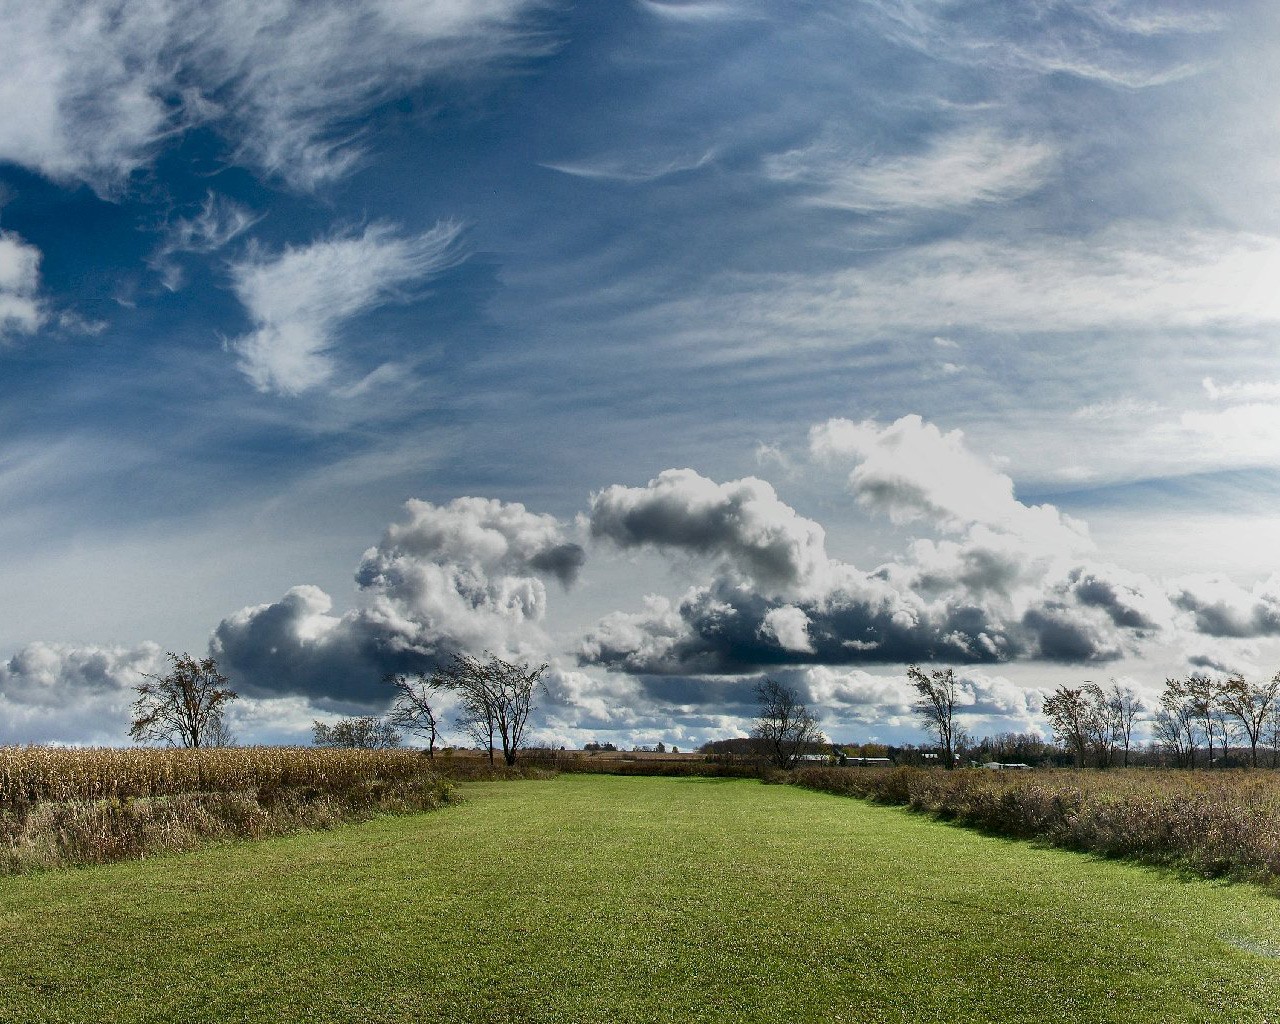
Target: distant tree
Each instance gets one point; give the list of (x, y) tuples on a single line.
[(1083, 721), (1203, 694), (785, 727), (661, 747), (1177, 724), (219, 733), (368, 733), (1123, 709), (1252, 705), (184, 707), (935, 707), (411, 710), (495, 699)]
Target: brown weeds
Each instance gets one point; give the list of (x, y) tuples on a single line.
[(1213, 823)]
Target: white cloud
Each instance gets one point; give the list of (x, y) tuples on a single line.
[(91, 89), (57, 693), (20, 308), (633, 169), (981, 166), (219, 221), (465, 576), (300, 298), (1126, 278), (742, 522), (693, 10), (1097, 40), (789, 627), (911, 470), (1223, 608), (1246, 390)]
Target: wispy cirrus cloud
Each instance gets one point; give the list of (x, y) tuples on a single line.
[(20, 308), (631, 170), (1129, 46), (955, 170), (300, 298), (91, 89), (218, 221)]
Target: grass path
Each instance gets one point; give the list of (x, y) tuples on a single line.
[(599, 899)]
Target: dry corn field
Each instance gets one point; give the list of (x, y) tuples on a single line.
[(77, 806)]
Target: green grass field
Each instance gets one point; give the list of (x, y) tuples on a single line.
[(592, 898)]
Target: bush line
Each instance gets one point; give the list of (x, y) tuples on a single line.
[(1215, 824)]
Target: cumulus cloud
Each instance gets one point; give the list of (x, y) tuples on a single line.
[(53, 693), (20, 309), (956, 170), (910, 470), (743, 523), (300, 298), (999, 580), (1222, 608), (92, 89), (465, 576)]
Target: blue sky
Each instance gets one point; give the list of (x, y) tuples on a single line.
[(704, 339)]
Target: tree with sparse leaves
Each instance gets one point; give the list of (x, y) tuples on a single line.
[(938, 693), (1252, 704), (786, 727), (412, 710), (184, 707), (495, 699)]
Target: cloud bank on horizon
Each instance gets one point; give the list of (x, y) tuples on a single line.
[(552, 273), (984, 581)]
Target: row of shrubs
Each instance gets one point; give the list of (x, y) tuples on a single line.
[(1215, 824), (71, 807)]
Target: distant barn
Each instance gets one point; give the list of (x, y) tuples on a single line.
[(866, 762)]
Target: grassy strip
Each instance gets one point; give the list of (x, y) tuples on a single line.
[(1213, 823), (589, 898)]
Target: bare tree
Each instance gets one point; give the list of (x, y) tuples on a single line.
[(1251, 704), (785, 726), (495, 698), (184, 707), (1123, 707), (936, 706), (368, 733), (412, 710)]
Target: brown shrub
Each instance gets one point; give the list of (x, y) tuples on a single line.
[(1213, 823)]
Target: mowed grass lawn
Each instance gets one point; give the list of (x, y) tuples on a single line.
[(598, 899)]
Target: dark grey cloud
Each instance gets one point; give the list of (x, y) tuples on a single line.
[(742, 522), (1223, 608)]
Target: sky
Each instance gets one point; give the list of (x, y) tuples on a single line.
[(672, 343)]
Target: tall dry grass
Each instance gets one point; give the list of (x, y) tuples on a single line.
[(62, 807), (1213, 823)]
